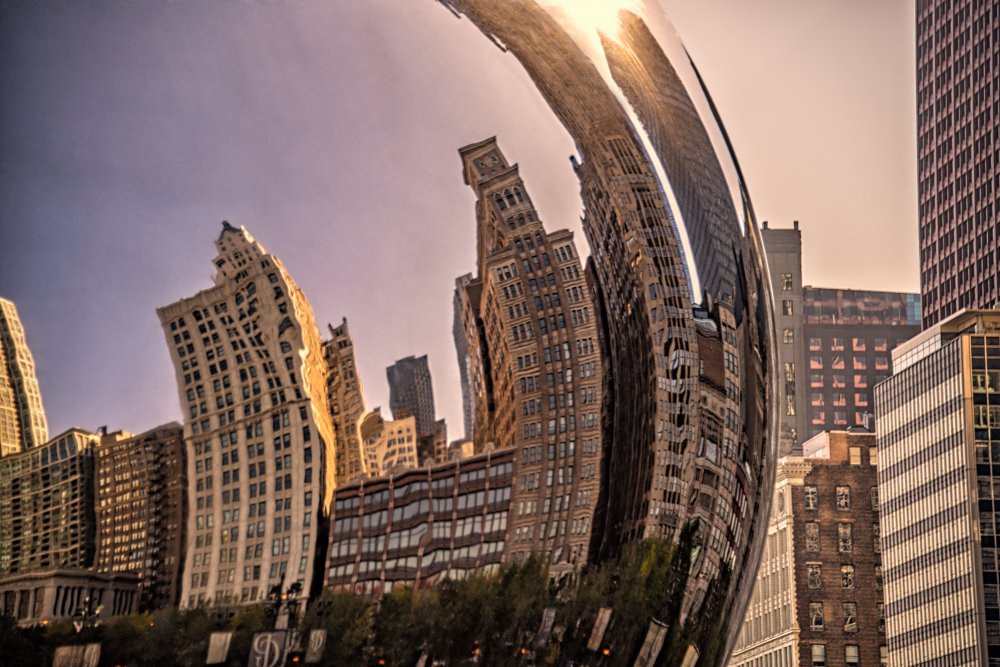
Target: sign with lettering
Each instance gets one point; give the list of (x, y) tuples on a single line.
[(314, 649), (268, 649)]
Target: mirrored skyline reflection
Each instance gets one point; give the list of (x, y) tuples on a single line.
[(688, 418), (131, 130)]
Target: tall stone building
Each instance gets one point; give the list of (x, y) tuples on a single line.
[(345, 396), (464, 355), (22, 418), (958, 155), (390, 446), (540, 352), (411, 392), (141, 504), (784, 260), (818, 597), (939, 443), (47, 516), (251, 378)]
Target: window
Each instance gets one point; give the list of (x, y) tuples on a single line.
[(814, 575), (844, 497), (786, 282), (874, 498), (847, 576), (815, 616), (851, 658), (789, 336), (873, 460), (812, 536), (883, 656), (855, 455), (850, 617), (845, 537), (787, 308), (818, 655), (878, 577), (876, 538), (810, 496)]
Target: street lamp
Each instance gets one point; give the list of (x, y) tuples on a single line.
[(87, 616)]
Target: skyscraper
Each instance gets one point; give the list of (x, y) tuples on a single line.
[(141, 504), (784, 260), (22, 418), (411, 392), (347, 403), (462, 350), (251, 377), (540, 352), (848, 336), (958, 155), (48, 524), (938, 433)]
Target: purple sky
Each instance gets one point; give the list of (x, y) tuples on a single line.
[(130, 130)]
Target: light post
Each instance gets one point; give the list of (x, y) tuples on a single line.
[(87, 616), (284, 605)]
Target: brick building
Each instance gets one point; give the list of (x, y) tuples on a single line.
[(818, 601)]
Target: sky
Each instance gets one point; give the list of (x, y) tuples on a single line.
[(130, 130)]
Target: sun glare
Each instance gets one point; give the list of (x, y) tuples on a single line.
[(593, 16)]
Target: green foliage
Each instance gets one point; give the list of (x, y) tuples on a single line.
[(494, 616)]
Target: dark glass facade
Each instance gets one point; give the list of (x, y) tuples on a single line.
[(421, 526), (958, 154)]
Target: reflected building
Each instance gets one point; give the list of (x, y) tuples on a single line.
[(141, 504), (47, 518), (678, 280), (346, 399), (251, 378), (939, 446), (421, 526), (539, 348), (464, 355), (390, 446), (411, 392), (22, 418)]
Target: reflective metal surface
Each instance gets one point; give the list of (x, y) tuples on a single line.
[(677, 273)]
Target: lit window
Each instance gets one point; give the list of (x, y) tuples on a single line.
[(847, 576)]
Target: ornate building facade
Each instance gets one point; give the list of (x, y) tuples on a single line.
[(22, 418), (346, 399), (540, 351), (251, 378)]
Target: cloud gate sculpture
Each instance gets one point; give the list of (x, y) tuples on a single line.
[(678, 277)]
